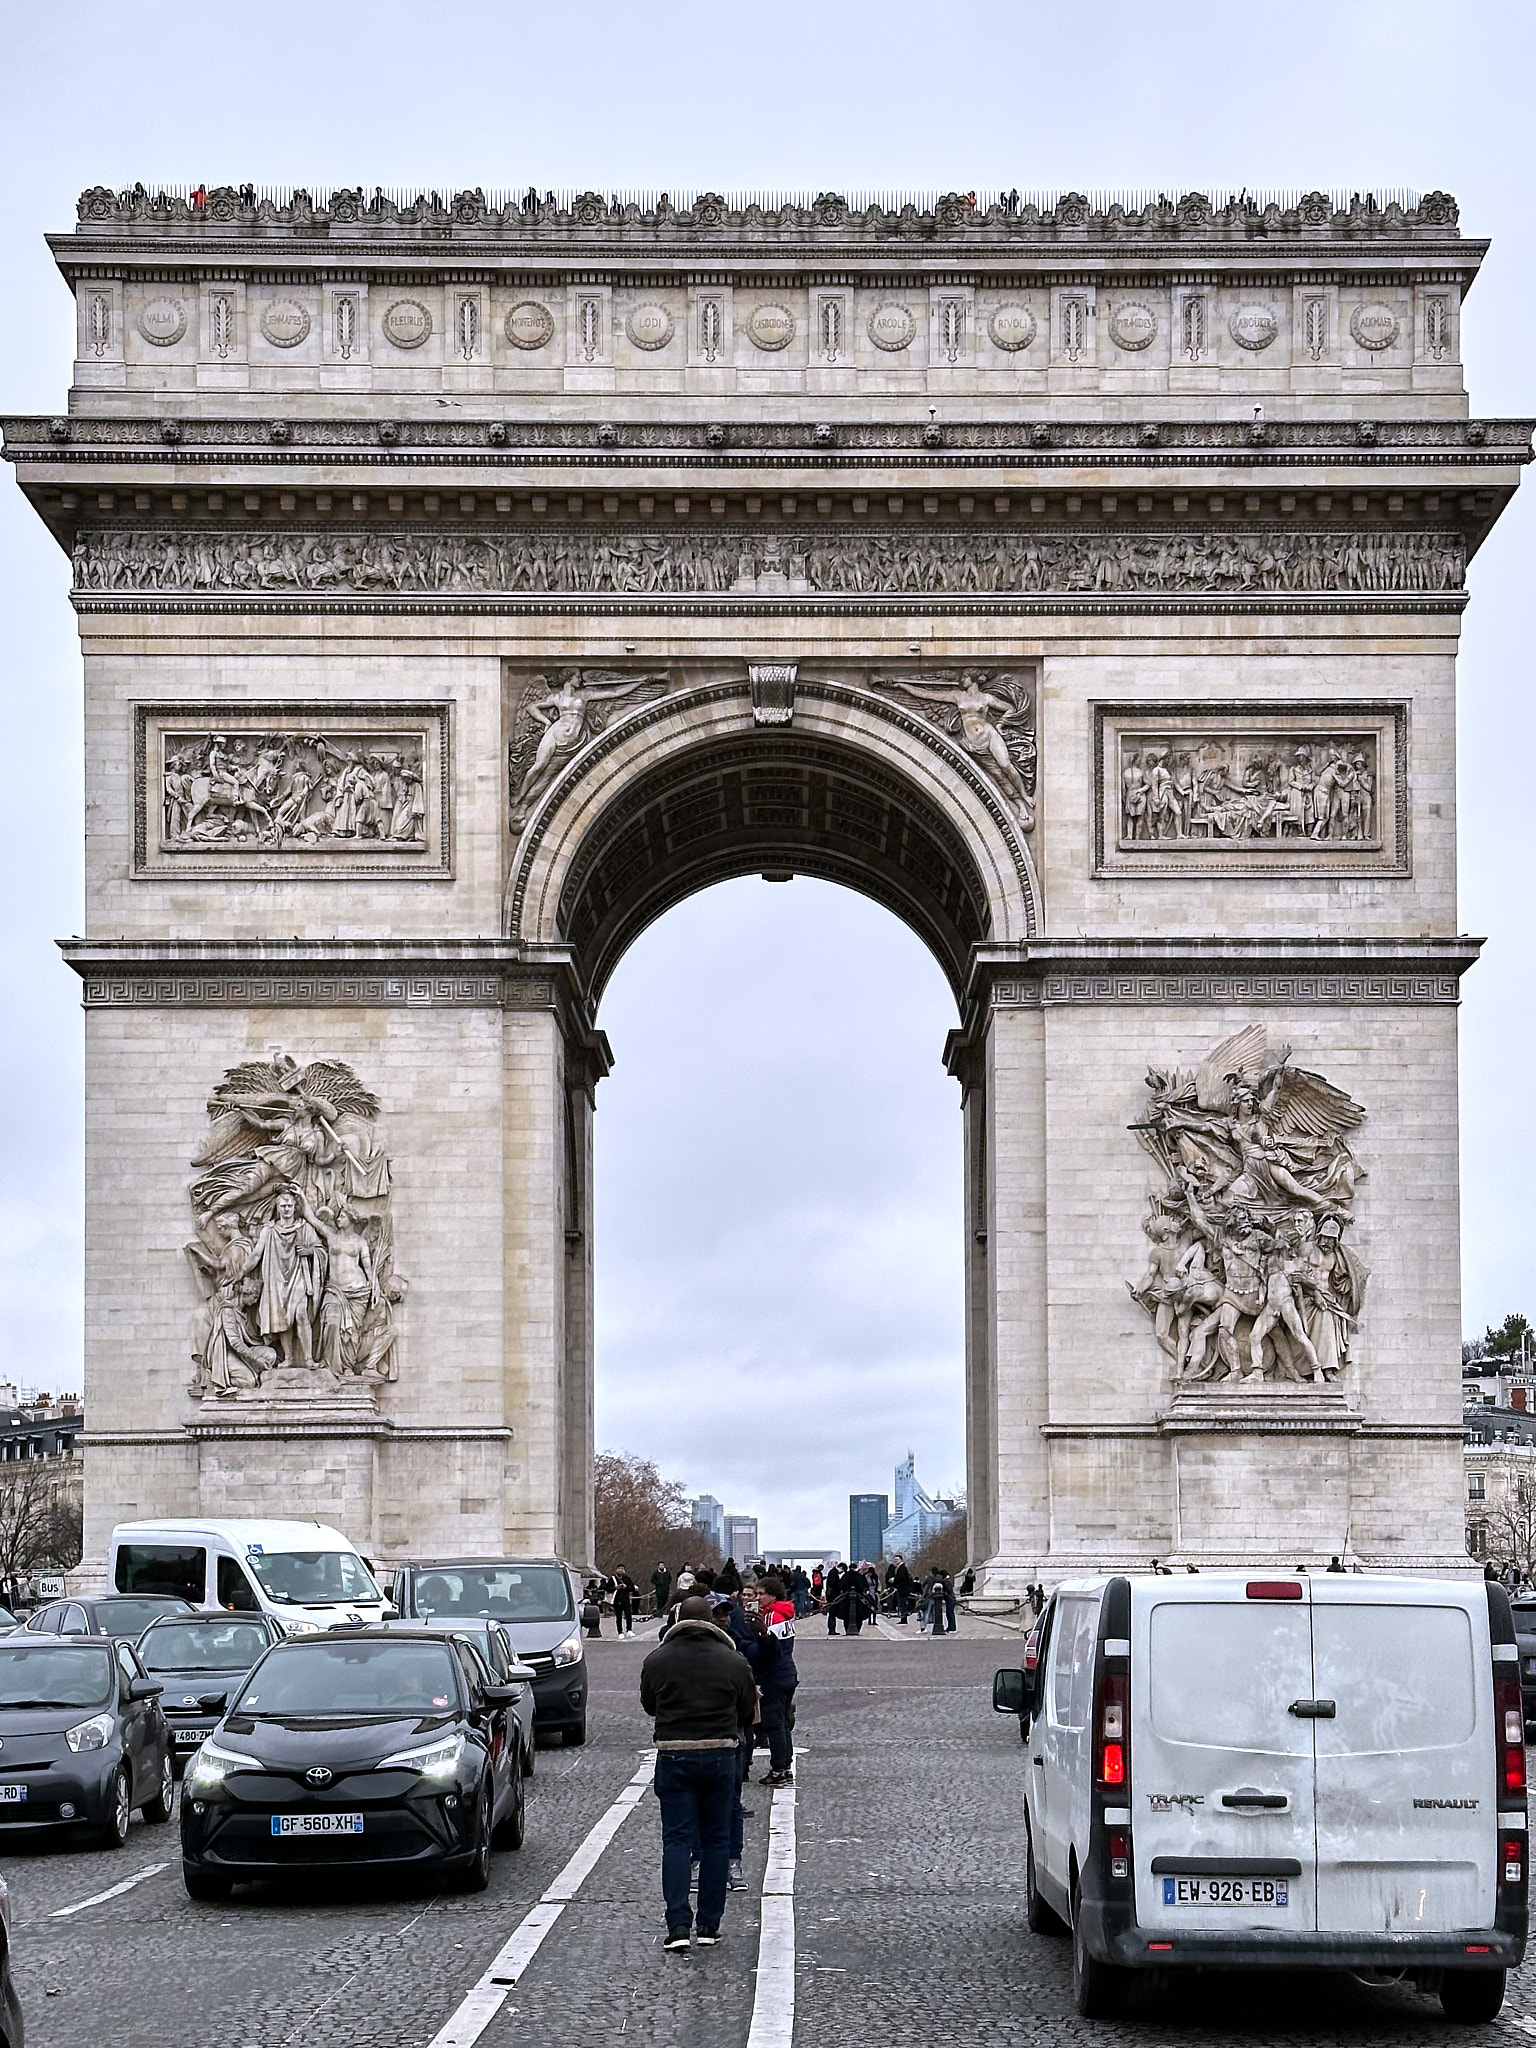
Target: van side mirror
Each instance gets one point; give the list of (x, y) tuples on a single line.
[(1010, 1694), (390, 1612)]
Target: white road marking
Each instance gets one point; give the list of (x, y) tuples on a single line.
[(1523, 2021), (113, 1892), (773, 2002), (486, 1998)]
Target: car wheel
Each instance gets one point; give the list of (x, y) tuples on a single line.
[(208, 1891), (1040, 1917), (575, 1737), (114, 1828), (528, 1753), (161, 1806), (1098, 1989), (476, 1874), (1472, 1996), (509, 1834)]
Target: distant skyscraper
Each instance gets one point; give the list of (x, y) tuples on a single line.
[(868, 1514), (740, 1537), (708, 1517), (919, 1515)]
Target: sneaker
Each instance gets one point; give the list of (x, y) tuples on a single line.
[(734, 1881), (677, 1937), (708, 1936)]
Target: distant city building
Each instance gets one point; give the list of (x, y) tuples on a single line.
[(919, 1515), (740, 1537), (868, 1514), (1499, 1458), (708, 1517), (817, 1555)]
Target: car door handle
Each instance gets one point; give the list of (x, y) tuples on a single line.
[(1313, 1710), (1263, 1801)]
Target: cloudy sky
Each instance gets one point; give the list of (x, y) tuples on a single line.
[(778, 1148)]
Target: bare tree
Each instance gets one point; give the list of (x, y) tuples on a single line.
[(948, 1547), (1511, 1528), (641, 1518), (38, 1531)]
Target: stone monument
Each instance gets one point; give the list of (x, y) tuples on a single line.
[(462, 583)]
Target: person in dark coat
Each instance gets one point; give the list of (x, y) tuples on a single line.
[(777, 1680), (833, 1590), (901, 1581), (623, 1603), (729, 1580), (661, 1586), (853, 1605), (699, 1690)]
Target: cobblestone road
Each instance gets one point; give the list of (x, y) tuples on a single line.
[(908, 1896)]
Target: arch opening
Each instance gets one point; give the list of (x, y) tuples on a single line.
[(778, 804)]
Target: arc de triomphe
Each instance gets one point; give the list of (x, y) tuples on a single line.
[(461, 584)]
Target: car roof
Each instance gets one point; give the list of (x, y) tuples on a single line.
[(433, 1564), (112, 1599), (31, 1639), (300, 1534)]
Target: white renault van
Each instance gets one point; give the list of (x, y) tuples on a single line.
[(307, 1576), (1229, 1769)]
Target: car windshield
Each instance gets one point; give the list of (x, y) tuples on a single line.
[(54, 1675), (312, 1578), (352, 1676), (132, 1617), (506, 1592), (203, 1645)]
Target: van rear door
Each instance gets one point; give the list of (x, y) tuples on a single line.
[(1406, 1766), (1221, 1765)]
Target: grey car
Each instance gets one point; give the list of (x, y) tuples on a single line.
[(534, 1598), (201, 1659)]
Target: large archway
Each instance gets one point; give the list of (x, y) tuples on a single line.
[(845, 780)]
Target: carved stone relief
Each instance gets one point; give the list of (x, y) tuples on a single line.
[(650, 326), (555, 718), (1374, 327), (892, 326), (530, 325), (1012, 327), (289, 789), (407, 323), (1250, 1277), (293, 1252), (1229, 788), (796, 561), (285, 323), (1253, 327), (992, 715), (770, 327), (163, 321)]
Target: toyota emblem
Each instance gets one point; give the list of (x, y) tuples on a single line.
[(318, 1776)]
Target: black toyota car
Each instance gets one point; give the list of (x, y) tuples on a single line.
[(201, 1659), (355, 1751), (82, 1738)]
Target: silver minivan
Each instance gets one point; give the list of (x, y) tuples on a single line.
[(1245, 1768)]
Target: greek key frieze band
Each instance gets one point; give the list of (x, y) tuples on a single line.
[(316, 991), (1051, 989)]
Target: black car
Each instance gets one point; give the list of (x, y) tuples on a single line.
[(534, 1599), (11, 2028), (201, 1659), (123, 1615), (1525, 1637), (360, 1750), (82, 1738)]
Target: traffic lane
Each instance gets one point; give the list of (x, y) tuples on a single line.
[(910, 1890), (332, 1962), (48, 1871)]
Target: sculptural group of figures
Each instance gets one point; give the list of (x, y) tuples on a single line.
[(291, 789), (1249, 1278), (1200, 789), (640, 564), (294, 1252)]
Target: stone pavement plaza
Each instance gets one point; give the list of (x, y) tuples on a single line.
[(908, 1908)]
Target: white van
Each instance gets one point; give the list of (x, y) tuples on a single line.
[(1230, 1769), (307, 1576)]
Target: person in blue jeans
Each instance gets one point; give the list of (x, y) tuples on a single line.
[(700, 1692)]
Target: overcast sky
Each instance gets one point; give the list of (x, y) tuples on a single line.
[(778, 1149)]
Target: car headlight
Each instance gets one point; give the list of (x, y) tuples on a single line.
[(438, 1759), (212, 1765), (301, 1628), (569, 1652), (93, 1734)]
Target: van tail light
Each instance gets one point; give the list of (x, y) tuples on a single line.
[(1110, 1722), (1512, 1858), (1509, 1720), (1032, 1651), (1119, 1854), (1274, 1589)]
